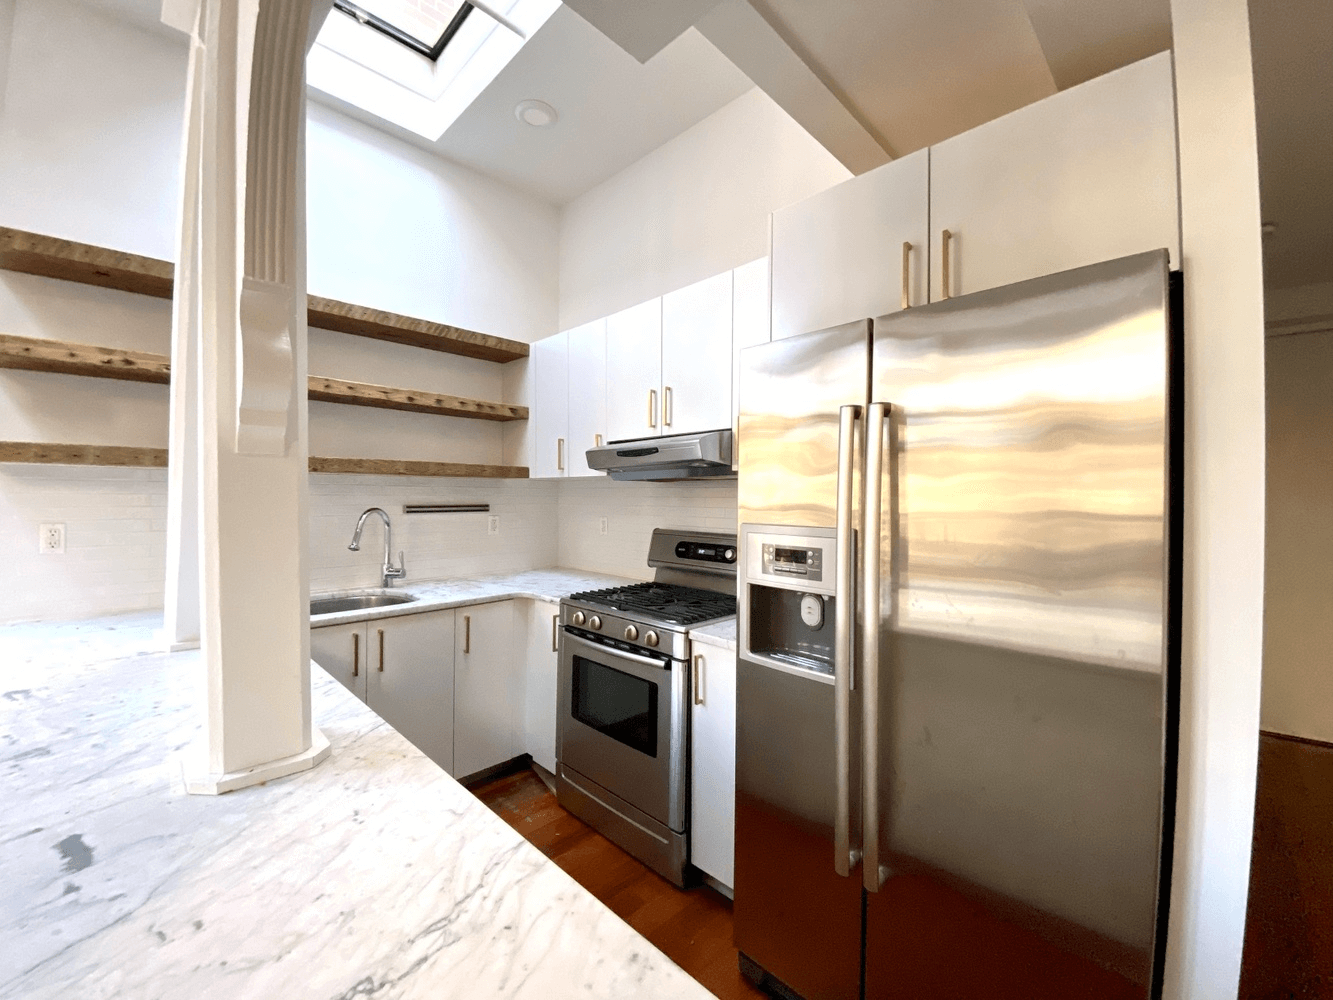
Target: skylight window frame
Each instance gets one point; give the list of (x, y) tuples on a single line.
[(387, 28)]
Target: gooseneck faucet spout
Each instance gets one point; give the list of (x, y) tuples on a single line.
[(391, 572)]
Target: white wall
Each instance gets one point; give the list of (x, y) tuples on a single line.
[(632, 511), (1298, 558), (694, 207)]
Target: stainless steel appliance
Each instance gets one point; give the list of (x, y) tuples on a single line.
[(706, 455), (957, 646), (623, 726)]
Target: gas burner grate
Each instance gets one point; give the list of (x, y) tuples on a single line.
[(664, 601)]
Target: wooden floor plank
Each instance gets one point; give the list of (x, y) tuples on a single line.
[(692, 927)]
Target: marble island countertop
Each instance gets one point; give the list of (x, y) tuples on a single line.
[(437, 595), (374, 874)]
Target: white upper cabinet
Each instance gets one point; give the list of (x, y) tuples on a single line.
[(750, 317), (1084, 176), (838, 256), (587, 395), (634, 367), (696, 357), (548, 417)]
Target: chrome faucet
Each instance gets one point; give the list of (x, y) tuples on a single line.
[(391, 572)]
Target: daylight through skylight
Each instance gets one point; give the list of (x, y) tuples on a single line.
[(425, 26)]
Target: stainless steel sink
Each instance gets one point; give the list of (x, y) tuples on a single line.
[(356, 602)]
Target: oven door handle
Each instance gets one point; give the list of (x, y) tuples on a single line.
[(611, 653)]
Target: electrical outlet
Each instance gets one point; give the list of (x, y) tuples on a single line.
[(51, 539), (493, 524), (602, 525)]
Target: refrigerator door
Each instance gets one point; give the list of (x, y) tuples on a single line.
[(1016, 742), (797, 918)]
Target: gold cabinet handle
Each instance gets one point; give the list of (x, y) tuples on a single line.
[(666, 407), (907, 260), (381, 632), (555, 633), (560, 454), (597, 440), (356, 654), (652, 407), (699, 678), (945, 240), (467, 634)]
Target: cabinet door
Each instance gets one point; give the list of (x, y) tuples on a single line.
[(838, 256), (541, 666), (749, 326), (713, 762), (341, 650), (549, 415), (411, 683), (488, 687), (634, 356), (1086, 175), (587, 395), (696, 357)]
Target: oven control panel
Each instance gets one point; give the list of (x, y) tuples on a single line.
[(707, 552)]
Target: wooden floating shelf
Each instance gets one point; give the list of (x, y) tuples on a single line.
[(91, 454), (400, 467), (33, 253), (33, 354)]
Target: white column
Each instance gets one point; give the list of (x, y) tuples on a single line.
[(1222, 620), (241, 329)]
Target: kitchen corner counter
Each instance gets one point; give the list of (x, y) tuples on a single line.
[(375, 873), (437, 595), (722, 634)]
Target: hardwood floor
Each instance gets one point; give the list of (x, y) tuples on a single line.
[(1289, 926), (692, 927)]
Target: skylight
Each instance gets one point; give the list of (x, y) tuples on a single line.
[(424, 26), (393, 59)]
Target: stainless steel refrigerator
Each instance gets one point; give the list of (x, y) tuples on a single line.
[(957, 654)]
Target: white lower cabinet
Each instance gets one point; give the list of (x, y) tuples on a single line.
[(410, 680), (488, 687), (541, 666), (403, 668), (341, 651), (713, 761)]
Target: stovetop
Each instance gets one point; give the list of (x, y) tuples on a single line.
[(661, 602)]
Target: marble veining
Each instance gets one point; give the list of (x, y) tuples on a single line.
[(374, 874), (435, 595)]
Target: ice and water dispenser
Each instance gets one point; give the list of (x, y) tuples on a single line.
[(787, 607)]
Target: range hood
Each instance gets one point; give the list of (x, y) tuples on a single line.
[(663, 459)]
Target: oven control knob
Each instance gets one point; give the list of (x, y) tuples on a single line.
[(631, 633), (729, 555), (578, 618), (650, 637), (594, 622)]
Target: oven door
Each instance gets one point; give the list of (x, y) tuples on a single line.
[(622, 725)]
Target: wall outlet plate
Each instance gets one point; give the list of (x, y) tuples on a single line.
[(602, 525), (51, 539), (493, 524)]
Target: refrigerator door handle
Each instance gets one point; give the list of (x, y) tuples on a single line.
[(876, 415), (845, 855)]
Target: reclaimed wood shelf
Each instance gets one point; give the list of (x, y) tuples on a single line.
[(59, 357), (92, 454), (34, 253)]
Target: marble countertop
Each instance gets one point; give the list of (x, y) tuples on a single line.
[(718, 634), (436, 595), (374, 874)]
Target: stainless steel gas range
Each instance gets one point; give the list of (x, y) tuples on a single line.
[(625, 684)]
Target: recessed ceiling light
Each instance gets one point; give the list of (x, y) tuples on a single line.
[(538, 114)]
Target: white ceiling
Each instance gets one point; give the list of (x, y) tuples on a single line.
[(613, 110)]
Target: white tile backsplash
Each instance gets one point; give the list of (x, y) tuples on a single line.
[(115, 531)]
